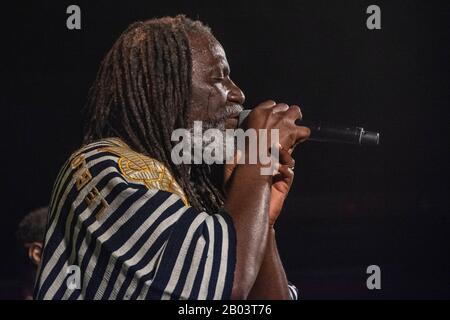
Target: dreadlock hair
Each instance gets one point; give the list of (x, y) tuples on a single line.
[(142, 92)]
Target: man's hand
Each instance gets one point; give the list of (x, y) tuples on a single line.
[(249, 194), (282, 180), (271, 115), (281, 185)]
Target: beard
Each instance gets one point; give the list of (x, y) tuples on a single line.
[(220, 139), (223, 115)]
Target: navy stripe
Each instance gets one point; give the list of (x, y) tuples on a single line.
[(178, 234), (141, 242), (58, 234), (171, 239), (187, 262), (143, 262), (159, 243), (49, 219), (70, 176), (201, 270), (55, 239), (122, 235), (83, 235), (218, 234), (53, 275), (62, 289), (231, 261), (124, 206)]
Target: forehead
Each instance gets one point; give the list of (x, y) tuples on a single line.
[(207, 52)]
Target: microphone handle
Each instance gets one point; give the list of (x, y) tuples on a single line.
[(323, 132)]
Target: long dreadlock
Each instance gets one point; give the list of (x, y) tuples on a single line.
[(143, 92)]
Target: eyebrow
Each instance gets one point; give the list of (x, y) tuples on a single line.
[(221, 65)]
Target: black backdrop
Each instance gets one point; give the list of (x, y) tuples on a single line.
[(350, 207)]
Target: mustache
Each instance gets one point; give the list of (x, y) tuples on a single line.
[(230, 111)]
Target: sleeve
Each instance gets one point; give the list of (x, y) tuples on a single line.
[(293, 291), (190, 254), (198, 260), (129, 238)]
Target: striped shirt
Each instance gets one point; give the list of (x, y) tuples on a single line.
[(119, 221)]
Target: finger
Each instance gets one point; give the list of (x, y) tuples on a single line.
[(267, 104), (286, 172), (294, 112), (280, 107), (302, 133), (286, 158)]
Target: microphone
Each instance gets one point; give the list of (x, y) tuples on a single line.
[(323, 132)]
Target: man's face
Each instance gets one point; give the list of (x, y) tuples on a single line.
[(216, 100)]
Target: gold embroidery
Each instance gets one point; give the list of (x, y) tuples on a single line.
[(95, 197), (77, 161), (92, 196), (82, 176), (101, 213), (137, 167)]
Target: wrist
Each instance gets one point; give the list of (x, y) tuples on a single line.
[(271, 231), (253, 171)]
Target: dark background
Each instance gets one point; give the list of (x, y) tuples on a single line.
[(350, 207)]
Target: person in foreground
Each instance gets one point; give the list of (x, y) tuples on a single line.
[(138, 226)]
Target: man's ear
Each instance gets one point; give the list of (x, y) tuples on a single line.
[(35, 252)]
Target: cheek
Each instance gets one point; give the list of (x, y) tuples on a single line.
[(207, 101), (199, 101), (217, 99)]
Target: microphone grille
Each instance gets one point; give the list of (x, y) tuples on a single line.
[(242, 116)]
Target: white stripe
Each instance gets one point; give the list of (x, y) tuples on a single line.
[(113, 206), (52, 291), (195, 264), (84, 191), (293, 292), (223, 260), (56, 255), (87, 213), (164, 225), (83, 216), (105, 236), (129, 242), (182, 256), (94, 226), (69, 170), (142, 272), (132, 241), (203, 293), (80, 197)]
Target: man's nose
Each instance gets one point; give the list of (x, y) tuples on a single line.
[(235, 94)]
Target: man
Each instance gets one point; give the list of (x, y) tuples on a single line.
[(140, 227), (30, 233)]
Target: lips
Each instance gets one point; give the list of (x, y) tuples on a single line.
[(233, 115), (232, 121), (234, 111)]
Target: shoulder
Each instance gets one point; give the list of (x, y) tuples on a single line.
[(134, 168)]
